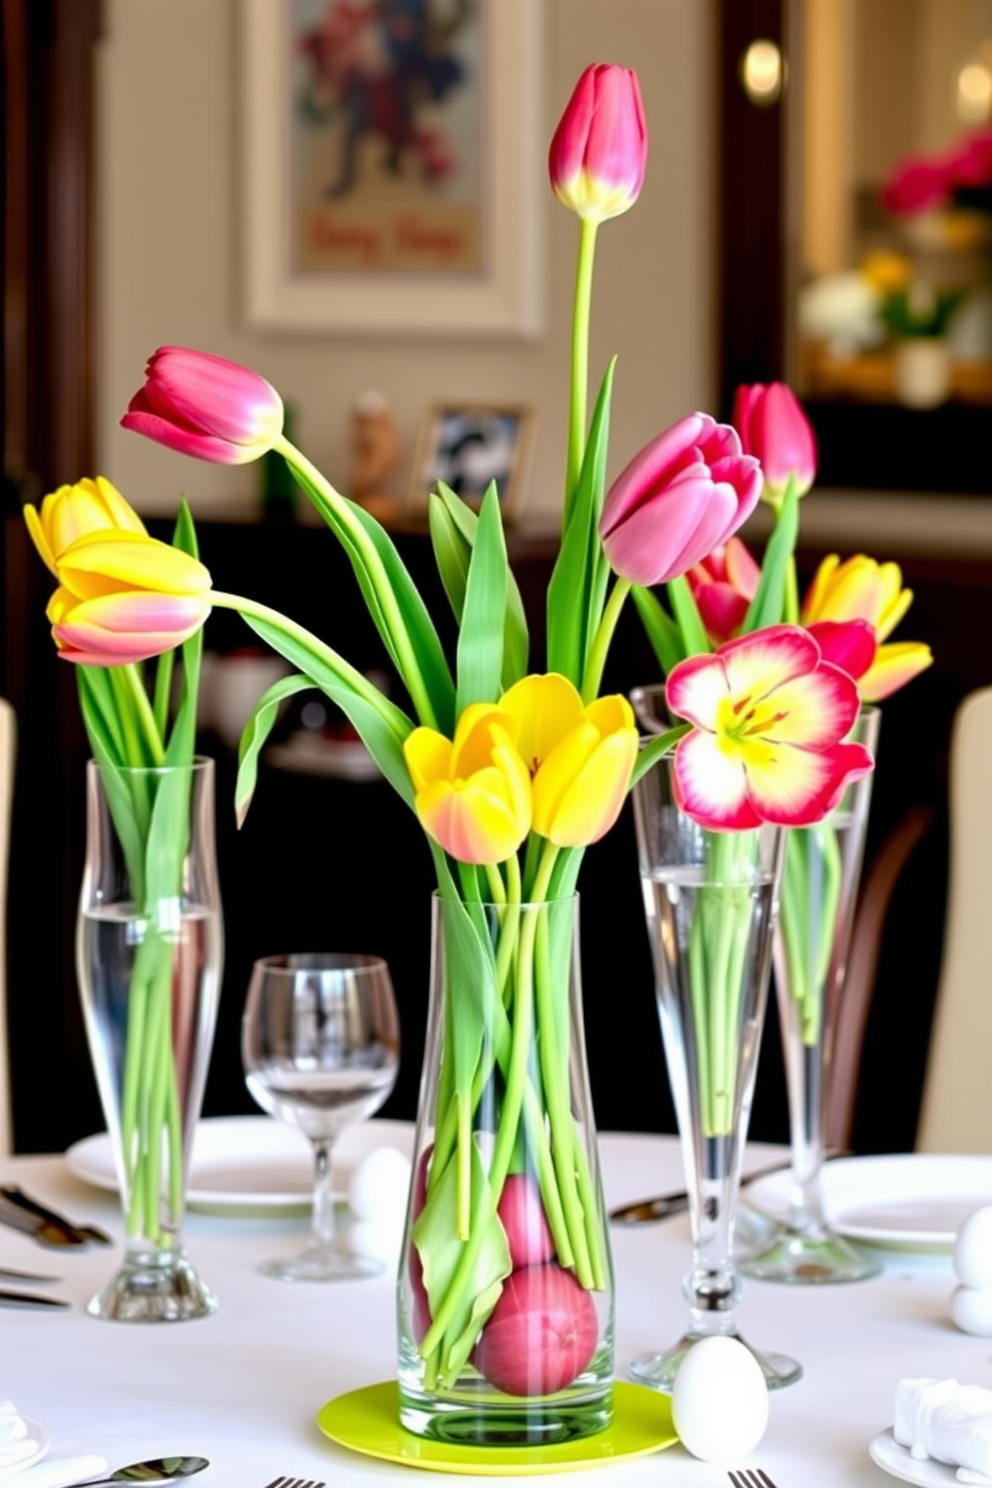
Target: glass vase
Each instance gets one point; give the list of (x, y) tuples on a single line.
[(505, 1291), (149, 948), (710, 901), (819, 892)]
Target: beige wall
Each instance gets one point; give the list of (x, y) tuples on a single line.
[(169, 254)]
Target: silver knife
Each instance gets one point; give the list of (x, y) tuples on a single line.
[(7, 1273), (29, 1299), (645, 1210)]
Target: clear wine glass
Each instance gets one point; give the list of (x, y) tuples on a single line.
[(321, 1046)]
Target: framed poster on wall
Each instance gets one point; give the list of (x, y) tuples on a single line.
[(393, 173)]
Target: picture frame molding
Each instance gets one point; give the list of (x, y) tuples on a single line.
[(505, 300)]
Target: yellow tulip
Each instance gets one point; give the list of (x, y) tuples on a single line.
[(473, 793), (581, 758), (858, 589), (74, 511)]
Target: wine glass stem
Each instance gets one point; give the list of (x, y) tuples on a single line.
[(324, 1217)]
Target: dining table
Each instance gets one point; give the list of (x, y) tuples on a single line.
[(244, 1387)]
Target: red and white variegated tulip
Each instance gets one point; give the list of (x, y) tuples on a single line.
[(769, 715)]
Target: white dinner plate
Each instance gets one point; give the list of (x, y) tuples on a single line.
[(910, 1201), (250, 1165), (887, 1454), (38, 1434)]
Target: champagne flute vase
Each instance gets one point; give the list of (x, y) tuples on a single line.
[(710, 904), (812, 939)]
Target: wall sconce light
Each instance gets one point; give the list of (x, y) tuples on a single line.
[(762, 73), (975, 92)]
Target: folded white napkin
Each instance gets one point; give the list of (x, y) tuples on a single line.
[(949, 1422), (17, 1443), (60, 1472)]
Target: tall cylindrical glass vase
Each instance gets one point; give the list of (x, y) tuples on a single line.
[(710, 901), (149, 949), (505, 1295)]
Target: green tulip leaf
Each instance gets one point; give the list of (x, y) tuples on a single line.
[(661, 630), (342, 516), (480, 636), (686, 612), (655, 749), (768, 605), (453, 531), (254, 734), (380, 724)]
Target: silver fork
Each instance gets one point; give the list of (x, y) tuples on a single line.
[(745, 1478), (294, 1483)]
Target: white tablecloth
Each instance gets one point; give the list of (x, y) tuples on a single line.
[(243, 1388)]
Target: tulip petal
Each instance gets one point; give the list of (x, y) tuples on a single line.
[(758, 663), (591, 804), (849, 644), (711, 786), (470, 820), (696, 689), (814, 710), (140, 419), (545, 707), (894, 665), (793, 787), (428, 756), (99, 561)]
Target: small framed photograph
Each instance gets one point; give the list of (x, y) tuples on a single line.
[(467, 445)]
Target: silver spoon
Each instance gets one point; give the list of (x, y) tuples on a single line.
[(158, 1470)]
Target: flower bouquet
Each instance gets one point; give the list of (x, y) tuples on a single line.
[(149, 944), (505, 1304)]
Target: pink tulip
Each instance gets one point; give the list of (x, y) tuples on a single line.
[(204, 406), (540, 1335), (970, 162), (769, 718), (599, 150), (849, 644), (773, 428), (723, 586), (685, 494), (115, 629)]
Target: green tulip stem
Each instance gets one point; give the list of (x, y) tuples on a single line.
[(341, 518), (144, 714), (579, 387), (318, 648), (593, 677)]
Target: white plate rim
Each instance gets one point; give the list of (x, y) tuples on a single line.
[(44, 1444), (896, 1460), (91, 1159), (903, 1174)]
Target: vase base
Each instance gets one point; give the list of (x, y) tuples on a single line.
[(159, 1287), (659, 1370), (504, 1421), (322, 1264), (809, 1260)]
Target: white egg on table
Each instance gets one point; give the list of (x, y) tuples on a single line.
[(720, 1400), (973, 1250), (379, 1185), (971, 1311)]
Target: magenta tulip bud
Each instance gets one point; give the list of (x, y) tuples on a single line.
[(681, 497), (599, 150), (540, 1335), (774, 429), (204, 406), (521, 1214)]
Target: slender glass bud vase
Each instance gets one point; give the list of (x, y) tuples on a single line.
[(710, 900), (819, 892), (149, 948), (505, 1291)]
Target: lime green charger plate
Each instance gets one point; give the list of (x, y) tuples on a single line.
[(368, 1421)]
